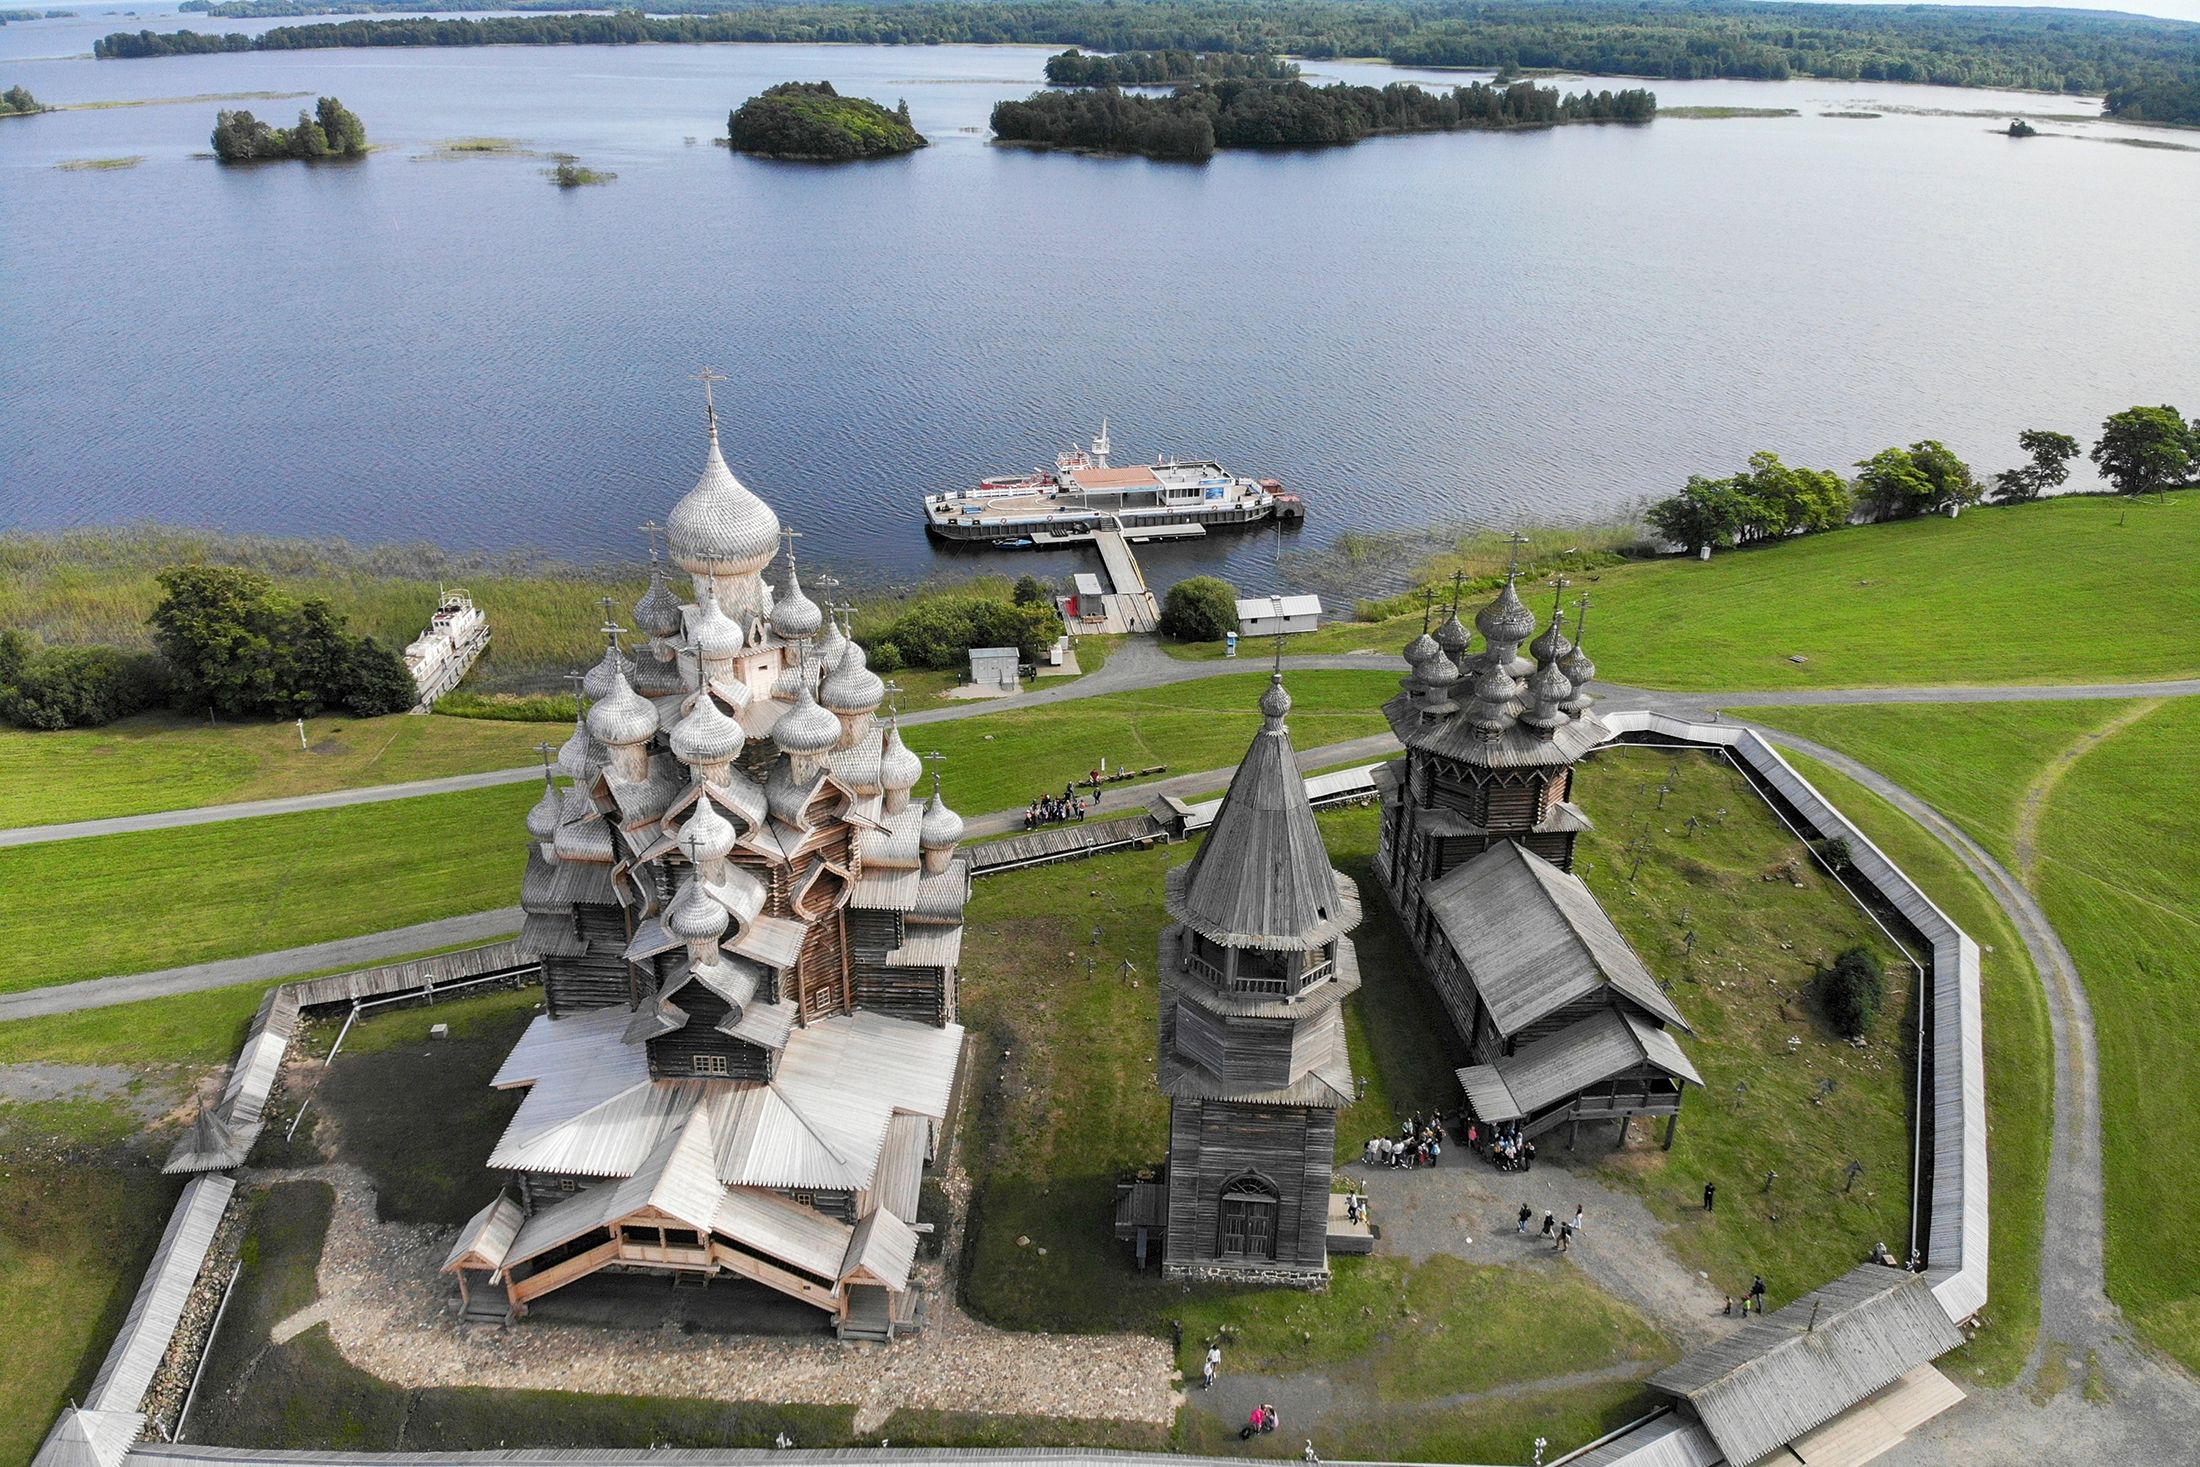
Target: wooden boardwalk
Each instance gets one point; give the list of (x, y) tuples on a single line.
[(1072, 842)]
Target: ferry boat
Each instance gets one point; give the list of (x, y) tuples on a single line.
[(1083, 494), (456, 634)]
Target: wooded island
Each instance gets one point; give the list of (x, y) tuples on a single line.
[(1197, 120), (809, 122)]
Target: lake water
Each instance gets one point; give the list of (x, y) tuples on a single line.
[(1473, 327)]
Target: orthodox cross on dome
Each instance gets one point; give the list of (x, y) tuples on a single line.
[(612, 630), (1581, 616), (893, 709), (580, 696), (1428, 600), (546, 749), (707, 377), (1456, 578), (653, 530), (789, 534), (1512, 565), (690, 843), (934, 758), (1559, 583)]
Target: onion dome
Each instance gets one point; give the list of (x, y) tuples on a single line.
[(713, 633), (720, 528), (708, 735), (1505, 621), (898, 767), (658, 612), (708, 835), (1548, 691), (1420, 650), (1452, 636), (795, 615), (1551, 645), (613, 663), (1438, 672), (695, 917), (1579, 671), (624, 717), (1494, 689), (806, 728), (831, 645), (942, 827), (1276, 702), (549, 812), (852, 687), (573, 753)]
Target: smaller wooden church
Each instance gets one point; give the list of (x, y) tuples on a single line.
[(1254, 972), (1562, 1020)]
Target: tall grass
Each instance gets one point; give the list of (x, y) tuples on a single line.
[(97, 585), (1394, 564)]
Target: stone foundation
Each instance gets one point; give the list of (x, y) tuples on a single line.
[(1314, 1280)]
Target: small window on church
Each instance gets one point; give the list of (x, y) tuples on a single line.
[(711, 1064)]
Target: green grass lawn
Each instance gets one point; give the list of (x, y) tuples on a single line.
[(999, 761), (2117, 848), (161, 762), (389, 1075), (1744, 991), (133, 903), (1970, 763), (2019, 1071), (1920, 602), (80, 1213)]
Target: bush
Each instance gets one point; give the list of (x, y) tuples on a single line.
[(75, 687), (1852, 990), (1031, 591), (1833, 853), (940, 632), (1201, 609)]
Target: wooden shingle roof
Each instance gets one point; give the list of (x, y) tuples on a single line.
[(1585, 1053), (1262, 879), (1786, 1372), (1534, 939)]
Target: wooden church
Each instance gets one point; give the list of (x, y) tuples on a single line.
[(1254, 971)]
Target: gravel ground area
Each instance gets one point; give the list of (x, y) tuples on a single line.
[(1467, 1208), (392, 1314)]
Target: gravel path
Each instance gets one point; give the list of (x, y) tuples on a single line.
[(391, 1314)]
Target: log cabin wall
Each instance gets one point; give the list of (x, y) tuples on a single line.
[(1291, 1149), (596, 979)]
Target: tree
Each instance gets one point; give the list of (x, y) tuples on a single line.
[(2144, 448), (1852, 990), (1031, 591), (1707, 514), (1201, 609), (376, 680), (240, 647), (19, 99), (1780, 501), (2051, 455), (340, 126), (1897, 483)]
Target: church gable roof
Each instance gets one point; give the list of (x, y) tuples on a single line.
[(1535, 939)]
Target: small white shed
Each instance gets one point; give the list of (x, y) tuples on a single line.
[(995, 667), (1265, 616)]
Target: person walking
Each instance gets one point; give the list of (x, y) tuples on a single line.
[(1526, 1214), (1757, 1292), (1214, 1363), (1580, 1216), (1550, 1222), (1565, 1238), (1710, 1194)]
